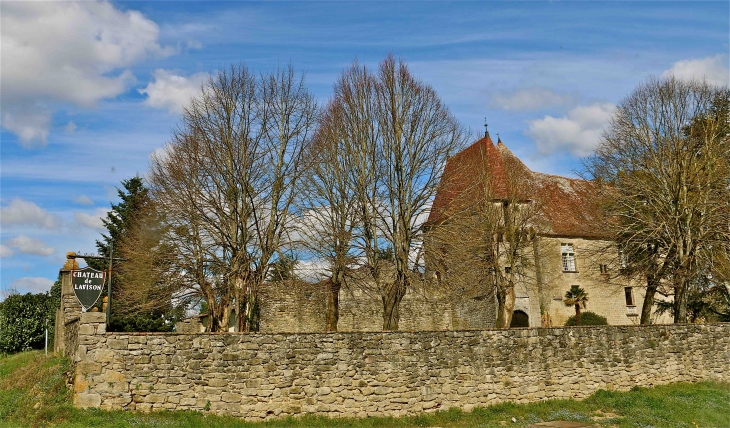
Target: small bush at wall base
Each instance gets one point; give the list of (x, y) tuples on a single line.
[(588, 318)]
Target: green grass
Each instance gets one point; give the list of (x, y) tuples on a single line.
[(33, 393)]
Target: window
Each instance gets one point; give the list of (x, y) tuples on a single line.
[(568, 257), (507, 270), (603, 268), (629, 296)]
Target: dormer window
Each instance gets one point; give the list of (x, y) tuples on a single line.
[(568, 257)]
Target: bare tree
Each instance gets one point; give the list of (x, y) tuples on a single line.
[(327, 204), (416, 134), (226, 184), (664, 168), (395, 135)]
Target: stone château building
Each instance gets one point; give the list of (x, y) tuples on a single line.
[(570, 246)]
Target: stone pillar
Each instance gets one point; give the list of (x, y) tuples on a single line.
[(87, 363), (70, 306)]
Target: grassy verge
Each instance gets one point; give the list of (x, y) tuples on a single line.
[(33, 394)]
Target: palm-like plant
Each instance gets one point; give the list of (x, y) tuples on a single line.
[(577, 298)]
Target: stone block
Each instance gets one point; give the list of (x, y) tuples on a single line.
[(80, 383), (229, 397), (117, 343), (187, 401), (86, 400), (113, 376), (92, 317), (141, 359), (88, 367), (218, 382), (87, 329), (155, 398)]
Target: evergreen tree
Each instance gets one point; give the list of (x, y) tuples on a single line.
[(124, 219), (135, 197)]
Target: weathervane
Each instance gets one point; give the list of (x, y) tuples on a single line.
[(486, 131)]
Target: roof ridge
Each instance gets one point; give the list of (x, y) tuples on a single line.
[(561, 176)]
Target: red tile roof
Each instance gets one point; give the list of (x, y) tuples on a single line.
[(565, 204)]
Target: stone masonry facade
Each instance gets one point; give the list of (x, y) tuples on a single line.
[(359, 374), (301, 307)]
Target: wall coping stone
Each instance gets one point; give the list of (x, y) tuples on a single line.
[(93, 317), (535, 331)]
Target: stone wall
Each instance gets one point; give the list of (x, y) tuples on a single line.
[(300, 307), (261, 376), (70, 306), (71, 336), (295, 306)]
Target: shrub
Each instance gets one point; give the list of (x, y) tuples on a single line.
[(23, 319), (588, 318)]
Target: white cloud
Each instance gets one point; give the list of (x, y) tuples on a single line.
[(70, 127), (27, 245), (26, 213), (67, 52), (172, 92), (533, 98), (713, 68), (160, 154), (313, 270), (31, 284), (83, 200), (30, 126), (6, 251), (91, 220), (579, 132)]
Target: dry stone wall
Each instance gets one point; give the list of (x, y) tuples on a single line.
[(300, 307), (261, 376), (71, 336)]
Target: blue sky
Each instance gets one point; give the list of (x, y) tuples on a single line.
[(89, 90)]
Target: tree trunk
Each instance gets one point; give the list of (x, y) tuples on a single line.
[(251, 312), (213, 312), (392, 296), (225, 316), (542, 292), (505, 305), (333, 304), (680, 303), (577, 315), (651, 286)]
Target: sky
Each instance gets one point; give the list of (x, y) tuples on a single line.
[(88, 90)]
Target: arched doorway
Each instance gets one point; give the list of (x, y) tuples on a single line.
[(519, 319)]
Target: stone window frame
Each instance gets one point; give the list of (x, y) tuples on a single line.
[(567, 257), (629, 296)]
